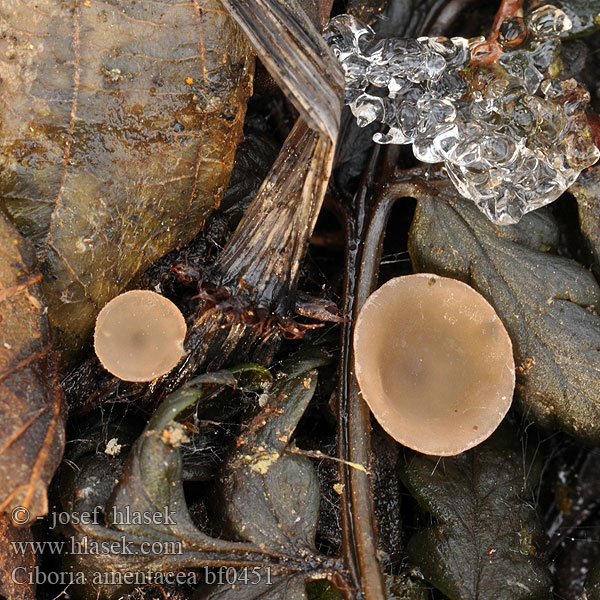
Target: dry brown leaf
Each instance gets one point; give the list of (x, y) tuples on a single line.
[(17, 560), (31, 400)]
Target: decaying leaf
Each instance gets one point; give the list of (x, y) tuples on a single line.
[(284, 212), (119, 124), (31, 400), (488, 540), (587, 192), (546, 302), (150, 481), (286, 207), (259, 585), (17, 561), (271, 498)]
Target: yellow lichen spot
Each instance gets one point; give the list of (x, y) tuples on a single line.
[(174, 435), (263, 460), (189, 80)]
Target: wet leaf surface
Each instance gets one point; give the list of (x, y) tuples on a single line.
[(587, 192), (15, 565), (116, 142), (31, 400), (546, 302), (488, 542), (272, 498)]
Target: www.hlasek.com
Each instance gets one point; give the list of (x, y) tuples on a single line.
[(210, 576), (85, 545)]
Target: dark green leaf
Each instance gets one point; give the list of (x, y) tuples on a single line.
[(151, 480), (587, 192), (269, 497), (272, 498), (545, 301), (488, 540), (148, 482)]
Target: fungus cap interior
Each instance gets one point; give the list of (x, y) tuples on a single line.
[(139, 335), (434, 363)]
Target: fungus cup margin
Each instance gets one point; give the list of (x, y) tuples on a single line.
[(139, 335), (434, 363)]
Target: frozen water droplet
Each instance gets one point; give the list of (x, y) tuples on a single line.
[(408, 119), (579, 151), (355, 67), (343, 34), (424, 150), (393, 136), (498, 150), (548, 21), (433, 67), (512, 140), (520, 65), (367, 109), (512, 33), (379, 76)]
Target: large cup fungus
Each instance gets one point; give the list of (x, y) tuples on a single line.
[(139, 335), (434, 363)]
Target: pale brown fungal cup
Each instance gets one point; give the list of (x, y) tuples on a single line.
[(139, 335), (434, 363)]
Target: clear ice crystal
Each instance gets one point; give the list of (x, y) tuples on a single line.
[(512, 141)]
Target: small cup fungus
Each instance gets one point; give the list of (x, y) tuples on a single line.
[(434, 363), (139, 335)]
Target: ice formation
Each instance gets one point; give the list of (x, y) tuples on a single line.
[(513, 137)]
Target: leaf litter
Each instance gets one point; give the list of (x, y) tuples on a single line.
[(218, 450)]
